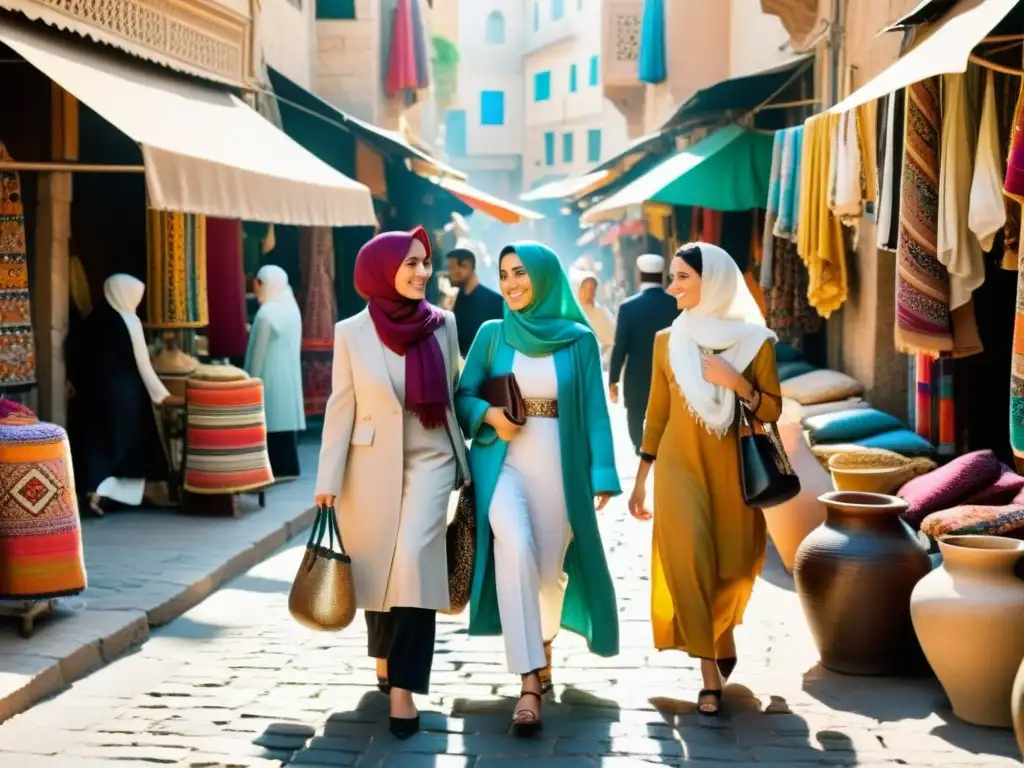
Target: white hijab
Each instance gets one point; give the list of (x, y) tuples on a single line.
[(124, 294), (275, 284), (728, 321)]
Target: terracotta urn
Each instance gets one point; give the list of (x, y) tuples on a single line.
[(854, 575), (969, 617), (1017, 708), (789, 523)]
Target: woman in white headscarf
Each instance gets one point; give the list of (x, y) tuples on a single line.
[(601, 320), (114, 438), (709, 545), (275, 347)]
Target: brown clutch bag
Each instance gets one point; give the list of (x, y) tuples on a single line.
[(503, 392)]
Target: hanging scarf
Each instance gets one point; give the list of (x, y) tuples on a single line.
[(405, 326), (726, 321), (987, 209), (922, 283), (553, 318), (771, 211)]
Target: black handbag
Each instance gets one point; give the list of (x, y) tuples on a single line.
[(766, 476)]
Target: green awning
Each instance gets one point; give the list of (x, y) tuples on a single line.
[(727, 171)]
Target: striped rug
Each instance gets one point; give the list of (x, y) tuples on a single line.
[(226, 437)]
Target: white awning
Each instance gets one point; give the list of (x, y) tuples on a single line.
[(943, 48), (563, 188), (204, 150)]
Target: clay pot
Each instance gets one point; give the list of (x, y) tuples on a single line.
[(969, 617), (854, 575), (789, 523), (1017, 708), (885, 480)]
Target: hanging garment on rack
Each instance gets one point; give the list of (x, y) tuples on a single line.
[(319, 312), (226, 333), (789, 184), (987, 209), (890, 157), (176, 271), (1017, 373), (772, 210), (934, 413), (922, 283), (787, 311), (17, 340)]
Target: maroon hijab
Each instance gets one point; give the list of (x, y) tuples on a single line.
[(405, 326)]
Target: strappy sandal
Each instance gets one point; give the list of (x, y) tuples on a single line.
[(546, 684), (526, 722), (713, 693), (726, 667), (94, 505)]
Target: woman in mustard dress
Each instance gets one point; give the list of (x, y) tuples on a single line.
[(708, 544)]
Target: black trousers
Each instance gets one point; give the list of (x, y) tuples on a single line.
[(635, 420), (283, 451), (405, 637)]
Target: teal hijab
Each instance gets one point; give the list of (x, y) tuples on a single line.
[(554, 318)]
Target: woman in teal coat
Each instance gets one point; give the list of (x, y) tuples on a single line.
[(537, 487)]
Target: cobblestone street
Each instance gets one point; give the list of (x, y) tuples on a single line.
[(236, 683)]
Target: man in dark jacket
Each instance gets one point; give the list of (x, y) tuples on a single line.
[(475, 304), (640, 318)]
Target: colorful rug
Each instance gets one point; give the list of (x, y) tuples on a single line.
[(17, 342), (40, 533), (176, 271), (319, 313), (226, 437), (922, 283)]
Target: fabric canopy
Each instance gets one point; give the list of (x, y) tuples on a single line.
[(942, 49), (727, 171), (924, 12), (563, 188), (204, 150), (507, 213)]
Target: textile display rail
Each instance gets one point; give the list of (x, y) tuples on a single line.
[(26, 611)]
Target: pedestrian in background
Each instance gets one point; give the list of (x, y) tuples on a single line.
[(640, 318), (475, 304), (538, 486), (391, 456), (709, 546), (600, 319)]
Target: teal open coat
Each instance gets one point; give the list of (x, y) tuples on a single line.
[(588, 467)]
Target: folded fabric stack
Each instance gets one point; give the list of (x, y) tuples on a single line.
[(972, 494)]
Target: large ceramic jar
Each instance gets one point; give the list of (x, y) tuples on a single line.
[(854, 575), (969, 617), (789, 523), (1017, 708)]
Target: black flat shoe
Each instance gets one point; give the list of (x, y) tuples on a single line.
[(525, 722), (726, 667), (703, 707), (383, 685), (404, 727)]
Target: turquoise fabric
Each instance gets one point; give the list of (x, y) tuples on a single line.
[(273, 355), (850, 426), (588, 466), (793, 369), (901, 441), (652, 68), (554, 318), (787, 353)]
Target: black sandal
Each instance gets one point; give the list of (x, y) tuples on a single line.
[(726, 667), (716, 694), (525, 722), (383, 685)]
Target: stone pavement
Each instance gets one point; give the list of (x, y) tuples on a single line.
[(236, 683), (145, 567)]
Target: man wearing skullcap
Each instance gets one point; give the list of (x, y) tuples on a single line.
[(641, 316)]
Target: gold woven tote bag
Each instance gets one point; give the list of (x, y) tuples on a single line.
[(323, 597)]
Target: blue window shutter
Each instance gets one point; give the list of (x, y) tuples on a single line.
[(595, 71), (557, 9), (492, 107), (572, 78), (536, 15), (567, 147), (549, 148), (542, 86), (594, 146), (455, 133), (335, 10)]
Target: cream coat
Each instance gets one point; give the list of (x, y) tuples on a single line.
[(362, 462)]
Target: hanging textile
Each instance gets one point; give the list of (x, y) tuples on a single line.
[(820, 234), (653, 69), (771, 211), (922, 283), (789, 184), (890, 158), (17, 341), (934, 409), (401, 69), (1017, 373), (957, 248), (176, 270), (419, 44), (788, 311), (319, 313), (1007, 92), (226, 332), (986, 209)]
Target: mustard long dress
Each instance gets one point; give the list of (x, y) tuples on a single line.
[(708, 546)]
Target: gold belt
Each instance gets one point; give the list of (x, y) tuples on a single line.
[(541, 407)]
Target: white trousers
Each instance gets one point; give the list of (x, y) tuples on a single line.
[(531, 529)]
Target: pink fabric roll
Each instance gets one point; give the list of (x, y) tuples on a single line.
[(225, 288)]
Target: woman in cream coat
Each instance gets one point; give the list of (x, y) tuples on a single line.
[(392, 454)]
